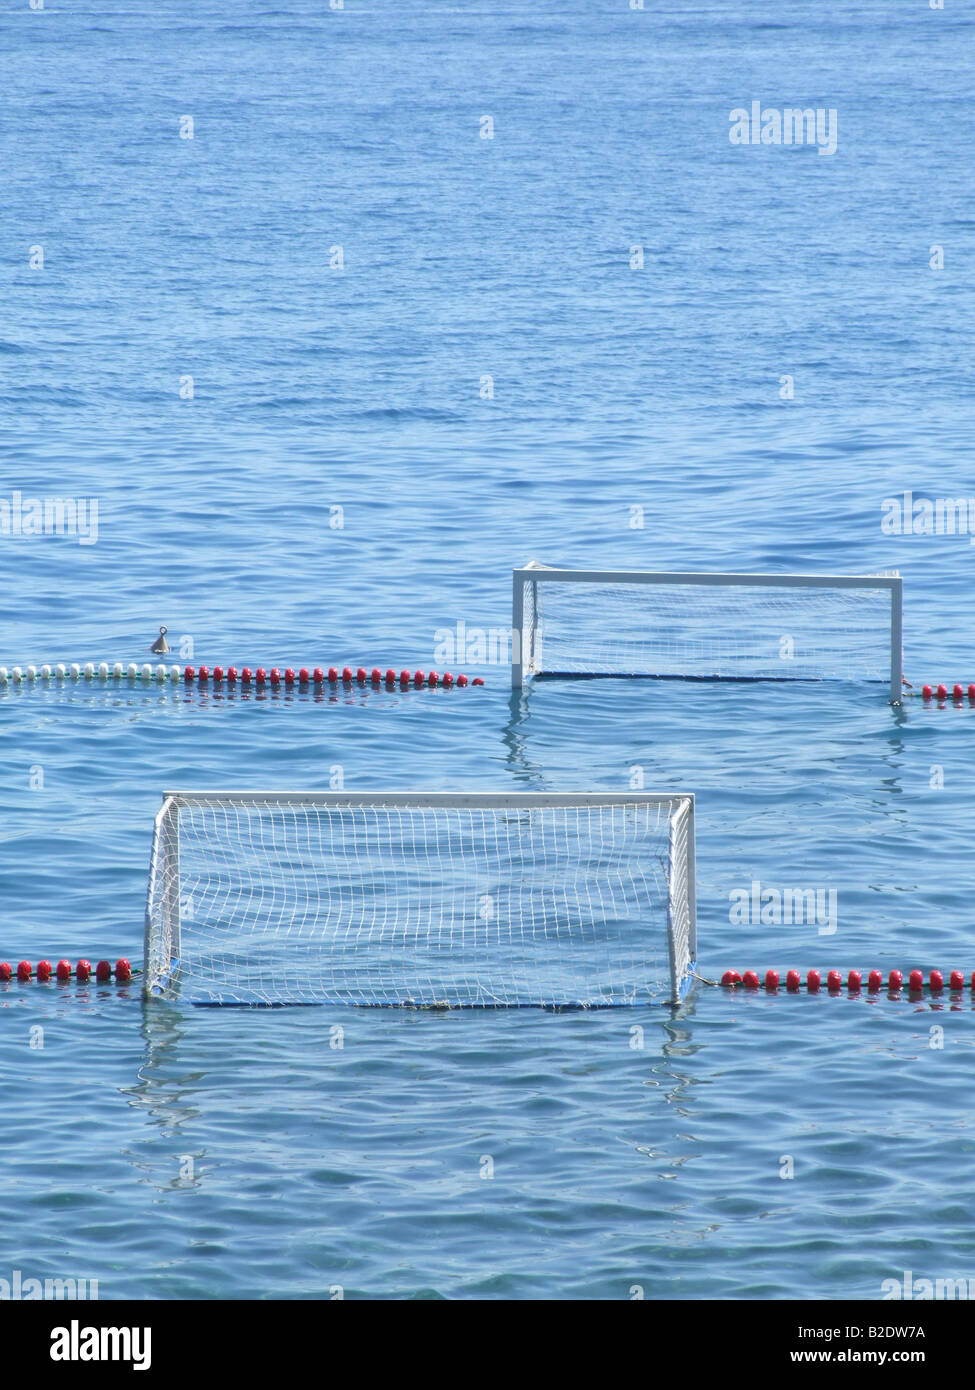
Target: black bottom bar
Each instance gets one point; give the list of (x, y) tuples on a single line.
[(251, 1337)]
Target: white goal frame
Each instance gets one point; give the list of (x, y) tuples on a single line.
[(524, 648), (163, 907)]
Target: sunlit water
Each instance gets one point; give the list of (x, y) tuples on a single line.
[(343, 484)]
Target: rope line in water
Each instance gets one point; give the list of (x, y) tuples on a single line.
[(941, 692), (123, 973), (230, 675), (853, 984), (104, 971)]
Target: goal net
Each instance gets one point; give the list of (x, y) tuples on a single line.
[(438, 900), (742, 627)]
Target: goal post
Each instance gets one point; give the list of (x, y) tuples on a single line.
[(161, 947), (423, 899), (704, 626)]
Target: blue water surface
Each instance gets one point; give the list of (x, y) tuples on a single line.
[(418, 358)]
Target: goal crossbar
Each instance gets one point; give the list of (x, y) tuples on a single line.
[(706, 626), (423, 899)]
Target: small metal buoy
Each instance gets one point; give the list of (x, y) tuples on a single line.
[(160, 645)]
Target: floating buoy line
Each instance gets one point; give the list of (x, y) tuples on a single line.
[(244, 676), (104, 972), (853, 982), (940, 692), (751, 981)]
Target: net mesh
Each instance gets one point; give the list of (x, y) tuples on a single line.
[(565, 905), (708, 631)]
